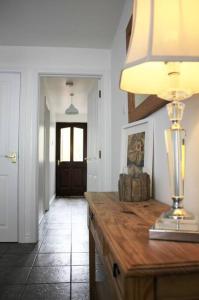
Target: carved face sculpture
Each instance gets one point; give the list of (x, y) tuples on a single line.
[(135, 155)]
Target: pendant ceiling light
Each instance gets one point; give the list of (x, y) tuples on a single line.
[(71, 110)]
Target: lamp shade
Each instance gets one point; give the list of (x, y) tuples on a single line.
[(163, 54), (71, 110)]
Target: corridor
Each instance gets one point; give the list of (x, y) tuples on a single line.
[(57, 267)]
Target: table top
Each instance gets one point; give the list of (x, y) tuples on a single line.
[(125, 228)]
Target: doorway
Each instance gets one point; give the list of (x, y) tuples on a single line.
[(71, 153), (77, 170)]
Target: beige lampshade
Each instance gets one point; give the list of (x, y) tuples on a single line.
[(163, 55)]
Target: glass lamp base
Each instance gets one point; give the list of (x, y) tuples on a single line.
[(178, 214), (177, 224), (165, 228)]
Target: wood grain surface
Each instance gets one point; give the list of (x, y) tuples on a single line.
[(125, 230)]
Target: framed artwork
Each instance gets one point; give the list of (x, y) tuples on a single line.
[(137, 148), (140, 106)]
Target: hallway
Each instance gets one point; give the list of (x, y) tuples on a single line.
[(57, 267)]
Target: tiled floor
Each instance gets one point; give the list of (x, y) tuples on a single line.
[(57, 267)]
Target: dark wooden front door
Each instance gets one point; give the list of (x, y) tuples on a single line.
[(71, 166)]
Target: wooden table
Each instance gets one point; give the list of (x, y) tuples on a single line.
[(129, 266)]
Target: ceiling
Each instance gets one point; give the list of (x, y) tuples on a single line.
[(59, 23), (58, 94)]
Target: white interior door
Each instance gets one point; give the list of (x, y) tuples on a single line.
[(9, 124), (93, 136)]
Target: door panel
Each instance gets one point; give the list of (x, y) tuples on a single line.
[(71, 150), (9, 124), (3, 189)]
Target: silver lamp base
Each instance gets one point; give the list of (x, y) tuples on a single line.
[(167, 228), (178, 214), (177, 224)]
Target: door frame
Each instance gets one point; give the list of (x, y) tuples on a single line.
[(28, 131), (105, 113), (46, 157)]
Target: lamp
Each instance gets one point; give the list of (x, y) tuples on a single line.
[(71, 110), (163, 59)]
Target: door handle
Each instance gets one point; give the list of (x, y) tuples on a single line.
[(58, 162), (12, 156)]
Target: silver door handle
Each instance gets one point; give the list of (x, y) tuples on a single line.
[(12, 156)]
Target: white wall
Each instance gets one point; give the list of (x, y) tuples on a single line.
[(161, 122), (161, 179), (80, 118), (46, 155), (119, 98), (30, 61)]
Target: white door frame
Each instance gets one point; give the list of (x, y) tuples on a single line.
[(46, 159), (28, 141)]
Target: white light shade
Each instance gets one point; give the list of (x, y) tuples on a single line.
[(163, 53), (71, 110)]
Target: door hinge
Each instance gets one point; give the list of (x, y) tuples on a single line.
[(100, 94), (100, 154)]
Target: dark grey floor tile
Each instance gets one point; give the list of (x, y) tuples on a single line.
[(81, 242), (18, 248), (58, 232), (42, 225), (49, 275), (59, 217), (17, 260), (54, 247), (80, 291), (80, 259), (4, 247), (42, 234), (57, 226), (14, 275), (52, 259), (80, 274), (11, 292), (82, 235), (80, 246), (79, 232), (47, 292), (58, 239)]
